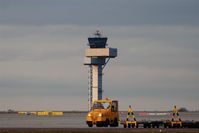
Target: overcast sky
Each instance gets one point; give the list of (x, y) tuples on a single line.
[(42, 44)]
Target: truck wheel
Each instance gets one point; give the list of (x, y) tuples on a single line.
[(90, 125), (124, 125), (99, 124), (115, 122), (106, 123)]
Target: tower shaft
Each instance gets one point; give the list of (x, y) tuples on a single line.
[(94, 84), (97, 82)]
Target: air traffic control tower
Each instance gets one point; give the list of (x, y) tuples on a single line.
[(97, 56)]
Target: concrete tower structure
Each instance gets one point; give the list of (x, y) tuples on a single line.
[(97, 56)]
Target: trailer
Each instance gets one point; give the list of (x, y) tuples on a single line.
[(174, 122), (150, 124), (196, 124), (167, 124), (189, 124)]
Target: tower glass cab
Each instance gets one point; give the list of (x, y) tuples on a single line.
[(97, 41)]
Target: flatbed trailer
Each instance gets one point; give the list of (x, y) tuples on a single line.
[(189, 124), (175, 122), (160, 124), (150, 124)]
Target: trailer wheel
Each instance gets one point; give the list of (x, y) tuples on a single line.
[(149, 126), (99, 124)]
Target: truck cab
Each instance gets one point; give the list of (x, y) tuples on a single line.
[(103, 113)]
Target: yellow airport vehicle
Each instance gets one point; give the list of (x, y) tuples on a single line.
[(43, 113), (33, 113), (22, 113), (56, 113), (46, 113), (130, 119), (175, 121), (103, 113)]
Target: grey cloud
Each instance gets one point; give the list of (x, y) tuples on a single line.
[(22, 55), (89, 12), (39, 87), (47, 61)]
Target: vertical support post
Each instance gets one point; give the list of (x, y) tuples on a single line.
[(99, 82), (90, 82)]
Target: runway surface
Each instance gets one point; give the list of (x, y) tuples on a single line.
[(74, 120), (94, 130)]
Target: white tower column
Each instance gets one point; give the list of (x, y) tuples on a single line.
[(97, 82)]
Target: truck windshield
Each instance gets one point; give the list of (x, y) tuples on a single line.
[(101, 105)]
